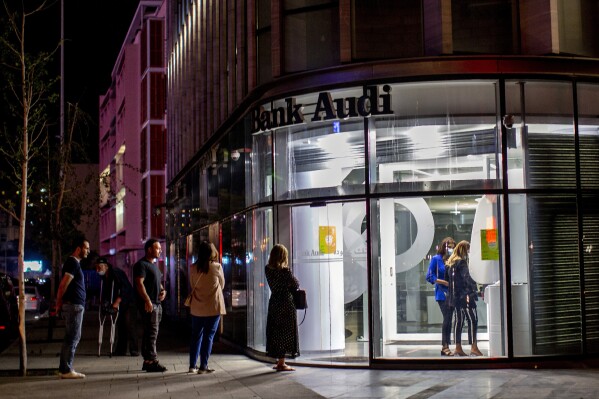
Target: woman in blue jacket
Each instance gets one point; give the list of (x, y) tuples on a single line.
[(436, 276)]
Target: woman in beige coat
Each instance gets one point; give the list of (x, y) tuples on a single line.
[(207, 305)]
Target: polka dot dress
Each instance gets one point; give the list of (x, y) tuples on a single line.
[(281, 324)]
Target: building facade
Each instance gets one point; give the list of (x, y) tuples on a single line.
[(133, 141), (360, 134)]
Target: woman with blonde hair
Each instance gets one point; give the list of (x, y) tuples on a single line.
[(207, 305), (282, 338), (462, 296)]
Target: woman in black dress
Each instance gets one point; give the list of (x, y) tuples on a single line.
[(281, 324)]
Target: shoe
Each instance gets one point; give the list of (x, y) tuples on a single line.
[(446, 352), (476, 353), (205, 371), (153, 367), (193, 370), (71, 375), (461, 353)]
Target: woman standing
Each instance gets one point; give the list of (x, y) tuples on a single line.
[(281, 324), (436, 275), (463, 296), (207, 305)]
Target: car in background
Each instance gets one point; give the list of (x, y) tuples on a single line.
[(34, 300)]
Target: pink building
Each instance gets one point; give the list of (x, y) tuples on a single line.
[(133, 141)]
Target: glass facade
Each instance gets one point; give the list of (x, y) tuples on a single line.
[(363, 183)]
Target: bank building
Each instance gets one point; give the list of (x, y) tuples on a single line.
[(360, 134)]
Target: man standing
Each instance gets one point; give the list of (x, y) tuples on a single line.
[(150, 293), (117, 296), (70, 302)]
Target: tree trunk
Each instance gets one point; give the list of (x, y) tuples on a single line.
[(21, 251)]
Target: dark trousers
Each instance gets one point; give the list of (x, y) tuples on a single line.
[(150, 322), (447, 312), (466, 314), (126, 327)]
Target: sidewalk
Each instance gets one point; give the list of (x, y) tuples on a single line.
[(238, 376)]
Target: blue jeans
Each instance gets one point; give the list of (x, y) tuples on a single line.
[(202, 336), (151, 322), (73, 318)]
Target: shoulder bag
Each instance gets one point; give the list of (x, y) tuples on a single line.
[(187, 302)]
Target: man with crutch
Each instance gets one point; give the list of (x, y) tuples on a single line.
[(117, 301)]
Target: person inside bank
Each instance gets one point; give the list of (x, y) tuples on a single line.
[(437, 275), (462, 295)]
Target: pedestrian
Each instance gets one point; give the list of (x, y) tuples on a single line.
[(70, 302), (282, 338), (118, 296), (436, 275), (463, 295), (207, 305), (150, 293)]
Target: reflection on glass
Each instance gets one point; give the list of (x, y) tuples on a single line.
[(588, 128), (320, 159), (259, 242), (452, 143), (541, 140)]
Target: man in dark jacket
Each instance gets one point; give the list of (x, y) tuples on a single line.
[(118, 296)]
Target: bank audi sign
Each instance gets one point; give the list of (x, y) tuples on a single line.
[(327, 108)]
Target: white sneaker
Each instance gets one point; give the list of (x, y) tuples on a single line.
[(71, 375), (193, 370)]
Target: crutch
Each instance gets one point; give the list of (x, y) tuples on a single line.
[(113, 318), (101, 318)]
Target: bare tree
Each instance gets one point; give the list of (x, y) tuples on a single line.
[(28, 94)]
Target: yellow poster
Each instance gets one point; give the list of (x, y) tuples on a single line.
[(327, 239), (489, 248)]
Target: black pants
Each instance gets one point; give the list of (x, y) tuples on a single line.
[(466, 313), (447, 312), (151, 322), (126, 327)]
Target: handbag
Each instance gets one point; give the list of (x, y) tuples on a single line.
[(299, 299), (187, 302)]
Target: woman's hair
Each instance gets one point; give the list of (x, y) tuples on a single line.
[(445, 244), (206, 253), (279, 257), (459, 252)]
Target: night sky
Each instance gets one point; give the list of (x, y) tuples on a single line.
[(94, 33)]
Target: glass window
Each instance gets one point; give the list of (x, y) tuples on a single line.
[(328, 257), (590, 242), (263, 51), (475, 28), (259, 243), (588, 129), (233, 259), (387, 29), (442, 136), (578, 29), (322, 157), (261, 167), (409, 257), (545, 269), (311, 38), (541, 141)]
